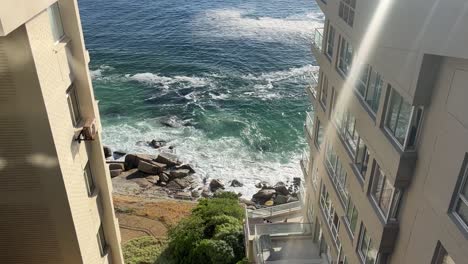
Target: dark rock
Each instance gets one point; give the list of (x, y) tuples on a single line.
[(116, 166), (181, 173), (107, 151), (115, 173), (151, 167), (157, 143), (132, 160), (118, 154), (153, 179), (236, 183), (185, 167), (216, 184), (263, 195), (280, 199), (183, 183), (167, 158), (173, 186), (281, 189)]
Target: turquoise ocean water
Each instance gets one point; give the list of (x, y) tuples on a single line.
[(229, 75)]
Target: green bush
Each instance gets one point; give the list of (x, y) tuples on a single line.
[(212, 234), (142, 250)]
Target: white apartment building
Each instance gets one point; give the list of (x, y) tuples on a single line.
[(387, 169), (55, 190)]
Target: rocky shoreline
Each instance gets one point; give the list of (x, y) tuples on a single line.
[(164, 176)]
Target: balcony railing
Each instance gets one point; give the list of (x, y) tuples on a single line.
[(312, 88), (318, 39), (275, 210), (305, 164)]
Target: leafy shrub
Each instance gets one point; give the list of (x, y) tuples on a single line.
[(142, 250), (212, 234)]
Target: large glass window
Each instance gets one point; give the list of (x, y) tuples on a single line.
[(346, 56), (374, 91), (362, 158), (330, 41), (382, 190), (73, 105), (460, 208), (363, 80), (346, 11), (102, 241), (56, 22), (324, 92), (366, 251), (351, 216), (319, 134), (402, 120), (337, 172), (89, 180)]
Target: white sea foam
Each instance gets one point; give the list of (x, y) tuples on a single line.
[(235, 23), (227, 158), (97, 73), (276, 76), (152, 78)]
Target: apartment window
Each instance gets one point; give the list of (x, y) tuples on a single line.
[(382, 190), (366, 251), (460, 205), (441, 256), (56, 22), (73, 105), (363, 80), (346, 56), (351, 216), (374, 91), (346, 11), (102, 241), (330, 41), (89, 179), (324, 92), (337, 172), (362, 158), (319, 134), (315, 177), (403, 120)]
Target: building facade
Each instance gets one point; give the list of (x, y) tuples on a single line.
[(55, 190), (387, 167)]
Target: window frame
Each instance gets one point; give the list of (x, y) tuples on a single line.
[(330, 44), (393, 205), (345, 61), (102, 241), (405, 146), (90, 182), (74, 105), (459, 197), (350, 212), (324, 91), (319, 135), (349, 5), (364, 255)]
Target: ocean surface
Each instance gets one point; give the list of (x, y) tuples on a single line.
[(229, 76)]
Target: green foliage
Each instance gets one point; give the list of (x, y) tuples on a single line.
[(212, 234), (142, 250), (227, 195)]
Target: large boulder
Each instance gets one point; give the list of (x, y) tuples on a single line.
[(151, 167), (185, 167), (107, 151), (182, 183), (280, 199), (167, 158), (116, 166), (132, 160), (206, 193), (263, 195), (115, 173), (216, 184), (180, 173), (282, 189), (236, 183)]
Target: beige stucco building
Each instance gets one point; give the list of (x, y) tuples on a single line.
[(387, 169), (55, 191)]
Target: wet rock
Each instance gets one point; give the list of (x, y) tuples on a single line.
[(280, 199), (115, 173), (118, 154), (263, 195), (185, 167), (180, 173), (107, 151), (151, 167), (157, 143), (236, 183), (116, 166), (216, 184), (167, 158)]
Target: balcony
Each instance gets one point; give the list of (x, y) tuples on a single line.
[(312, 88), (318, 39), (286, 243), (305, 164), (309, 126)]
